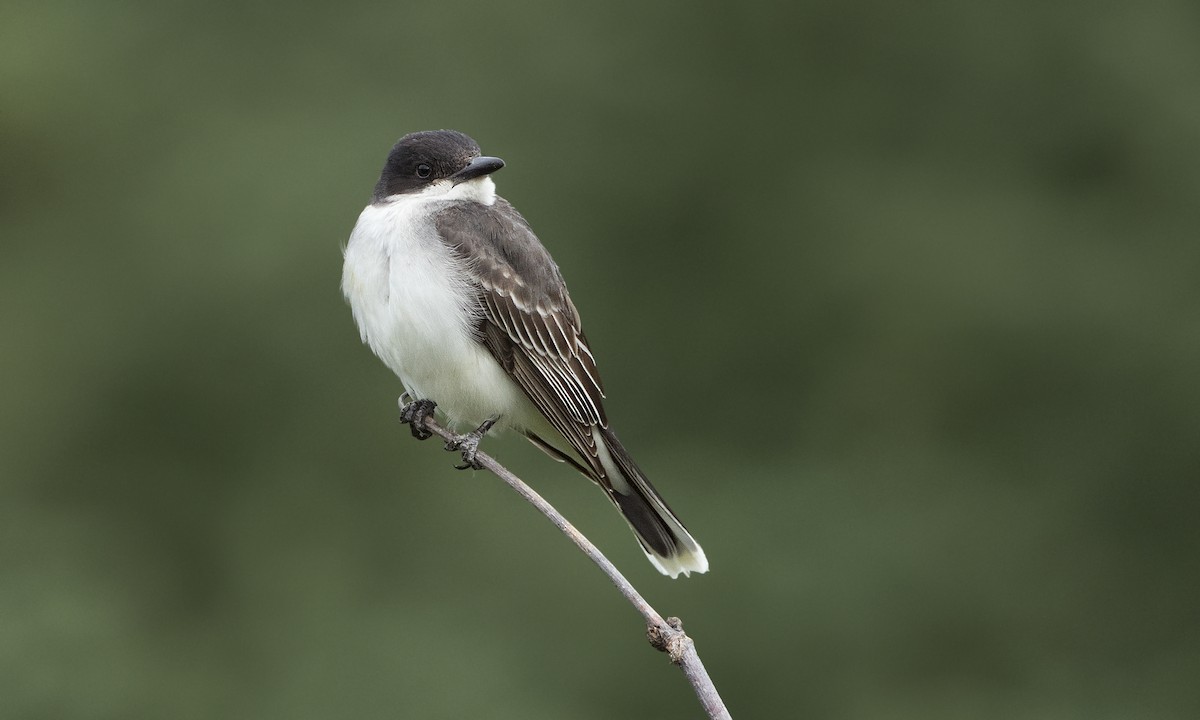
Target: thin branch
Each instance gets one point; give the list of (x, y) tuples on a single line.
[(665, 635)]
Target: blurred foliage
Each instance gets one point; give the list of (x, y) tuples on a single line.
[(899, 305)]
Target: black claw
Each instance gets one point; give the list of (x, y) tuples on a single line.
[(415, 413), (468, 444)]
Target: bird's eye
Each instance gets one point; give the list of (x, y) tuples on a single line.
[(424, 171)]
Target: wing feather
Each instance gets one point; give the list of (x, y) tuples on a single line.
[(528, 321)]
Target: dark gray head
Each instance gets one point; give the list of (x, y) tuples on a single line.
[(421, 159)]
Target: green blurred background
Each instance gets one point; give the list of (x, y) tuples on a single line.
[(899, 306)]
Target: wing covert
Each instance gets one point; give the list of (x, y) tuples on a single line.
[(527, 319)]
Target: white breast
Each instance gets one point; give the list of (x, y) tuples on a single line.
[(415, 307)]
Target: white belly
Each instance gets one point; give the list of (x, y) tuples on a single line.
[(415, 309)]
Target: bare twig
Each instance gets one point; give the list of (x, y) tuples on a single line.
[(665, 635)]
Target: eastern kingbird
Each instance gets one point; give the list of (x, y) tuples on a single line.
[(452, 290)]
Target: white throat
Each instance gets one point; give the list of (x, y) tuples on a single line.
[(481, 190)]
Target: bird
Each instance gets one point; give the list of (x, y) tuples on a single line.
[(452, 290)]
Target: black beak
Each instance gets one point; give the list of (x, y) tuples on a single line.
[(478, 167)]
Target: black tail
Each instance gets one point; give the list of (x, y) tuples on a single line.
[(667, 543)]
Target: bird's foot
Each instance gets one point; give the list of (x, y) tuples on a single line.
[(468, 445), (415, 412)]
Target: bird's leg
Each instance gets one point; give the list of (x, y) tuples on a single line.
[(414, 413), (468, 444)]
